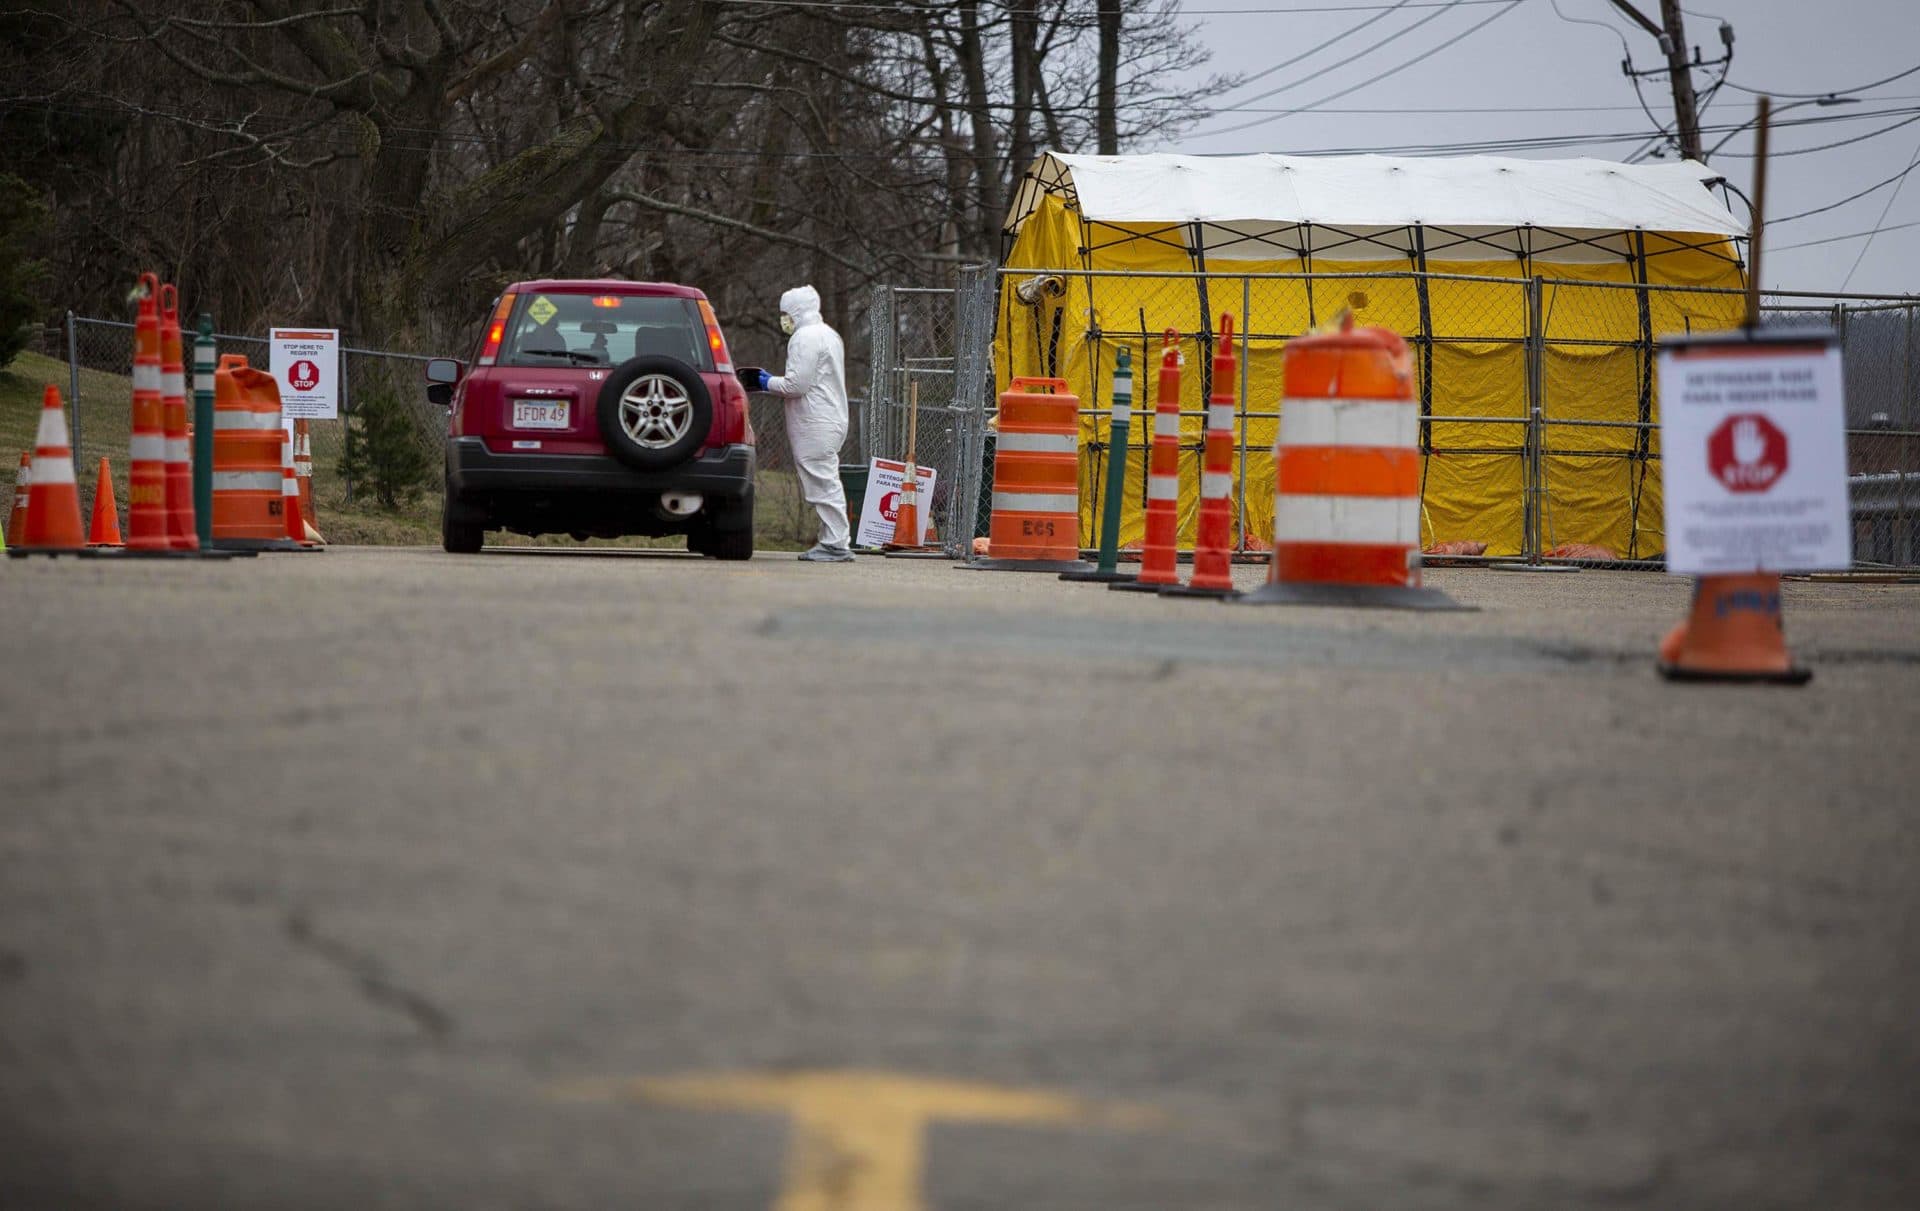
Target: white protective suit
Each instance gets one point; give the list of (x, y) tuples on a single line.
[(815, 390)]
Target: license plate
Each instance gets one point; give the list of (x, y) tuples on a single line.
[(540, 413)]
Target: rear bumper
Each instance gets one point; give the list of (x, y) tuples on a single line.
[(725, 473)]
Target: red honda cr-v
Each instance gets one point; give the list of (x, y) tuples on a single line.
[(598, 409)]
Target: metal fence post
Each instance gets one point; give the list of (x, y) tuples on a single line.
[(73, 390), (1246, 326), (972, 368), (880, 368), (1907, 442), (1532, 475), (346, 432)]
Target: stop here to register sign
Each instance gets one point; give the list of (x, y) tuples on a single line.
[(1753, 453)]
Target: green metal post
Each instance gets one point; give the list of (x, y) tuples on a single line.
[(203, 362), (1120, 423)]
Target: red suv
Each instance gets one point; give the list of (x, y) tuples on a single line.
[(598, 409)]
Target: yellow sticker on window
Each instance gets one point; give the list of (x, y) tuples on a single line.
[(541, 309)]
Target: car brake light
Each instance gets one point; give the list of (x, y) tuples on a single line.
[(722, 360), (496, 330), (605, 300)]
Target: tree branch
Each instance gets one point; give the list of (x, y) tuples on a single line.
[(732, 224)]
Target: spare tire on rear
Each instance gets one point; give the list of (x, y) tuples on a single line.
[(654, 412)]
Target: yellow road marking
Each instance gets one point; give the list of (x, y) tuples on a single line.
[(858, 1138)]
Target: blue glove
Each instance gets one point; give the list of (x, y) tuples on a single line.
[(765, 378)]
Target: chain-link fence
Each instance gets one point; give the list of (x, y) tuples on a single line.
[(95, 356), (782, 516), (95, 377), (1538, 396), (929, 386)]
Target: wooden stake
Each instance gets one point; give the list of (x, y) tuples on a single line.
[(1759, 226)]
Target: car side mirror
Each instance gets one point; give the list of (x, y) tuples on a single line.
[(440, 393), (444, 370)]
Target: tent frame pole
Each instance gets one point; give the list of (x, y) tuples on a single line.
[(1643, 437), (1426, 337)]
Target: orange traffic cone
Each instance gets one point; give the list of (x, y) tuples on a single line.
[(907, 527), (906, 542), (290, 492), (303, 470), (22, 495), (1213, 540), (105, 528), (1733, 633), (181, 534), (53, 513), (147, 472)]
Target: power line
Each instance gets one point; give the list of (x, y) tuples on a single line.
[(1831, 92), (1841, 239), (423, 139), (1884, 212), (1852, 197), (1314, 50), (1802, 151), (1315, 75), (1470, 30)]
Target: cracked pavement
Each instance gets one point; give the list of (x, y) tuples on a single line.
[(320, 874)]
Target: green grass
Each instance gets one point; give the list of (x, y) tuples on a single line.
[(782, 520), (106, 415)]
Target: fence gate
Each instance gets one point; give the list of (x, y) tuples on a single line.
[(938, 341)]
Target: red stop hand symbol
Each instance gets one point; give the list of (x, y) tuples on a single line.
[(1747, 453), (890, 506), (303, 376)]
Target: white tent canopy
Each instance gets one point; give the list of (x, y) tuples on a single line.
[(1258, 207)]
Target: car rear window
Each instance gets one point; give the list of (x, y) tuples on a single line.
[(603, 330)]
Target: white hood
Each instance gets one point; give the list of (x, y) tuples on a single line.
[(803, 304)]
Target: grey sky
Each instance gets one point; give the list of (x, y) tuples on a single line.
[(1527, 57)]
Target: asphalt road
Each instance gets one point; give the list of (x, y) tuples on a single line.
[(395, 879)]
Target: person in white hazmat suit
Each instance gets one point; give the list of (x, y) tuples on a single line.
[(815, 390)]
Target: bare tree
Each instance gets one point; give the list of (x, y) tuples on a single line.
[(390, 163)]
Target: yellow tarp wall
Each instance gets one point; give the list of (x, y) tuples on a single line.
[(1597, 491)]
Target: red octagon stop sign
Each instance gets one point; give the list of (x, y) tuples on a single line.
[(303, 376), (1747, 452)]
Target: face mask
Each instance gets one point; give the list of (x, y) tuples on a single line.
[(786, 324)]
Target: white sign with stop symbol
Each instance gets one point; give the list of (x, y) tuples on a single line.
[(306, 364), (1753, 454), (880, 511)]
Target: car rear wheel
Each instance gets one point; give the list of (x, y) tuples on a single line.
[(654, 412), (462, 528), (731, 544)]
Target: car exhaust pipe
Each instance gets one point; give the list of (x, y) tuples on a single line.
[(680, 504)]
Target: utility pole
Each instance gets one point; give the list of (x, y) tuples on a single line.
[(1686, 116), (1672, 34)]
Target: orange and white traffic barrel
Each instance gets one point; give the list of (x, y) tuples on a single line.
[(1036, 481), (1159, 561), (1213, 543), (1346, 518), (248, 501)]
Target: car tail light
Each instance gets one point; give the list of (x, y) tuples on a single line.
[(722, 360), (496, 329), (606, 300)]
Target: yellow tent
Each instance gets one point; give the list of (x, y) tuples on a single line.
[(1515, 281)]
